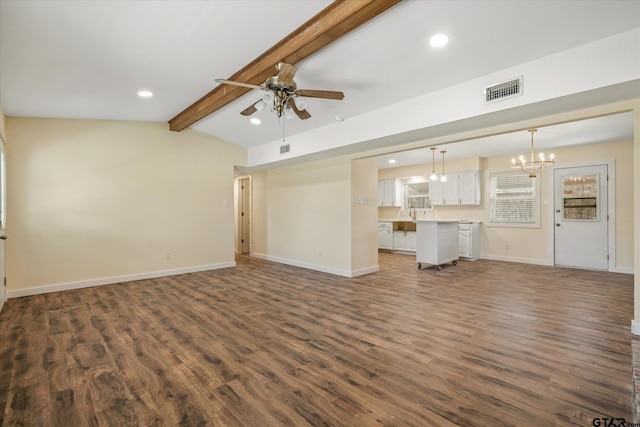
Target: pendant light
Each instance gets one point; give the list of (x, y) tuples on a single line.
[(433, 176), (443, 177)]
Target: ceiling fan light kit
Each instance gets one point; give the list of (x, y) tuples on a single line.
[(282, 94)]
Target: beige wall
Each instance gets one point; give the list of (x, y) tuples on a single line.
[(91, 201), (364, 216), (506, 243), (302, 215)]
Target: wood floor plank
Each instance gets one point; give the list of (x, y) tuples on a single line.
[(482, 343)]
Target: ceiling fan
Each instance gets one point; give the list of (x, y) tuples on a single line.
[(282, 94)]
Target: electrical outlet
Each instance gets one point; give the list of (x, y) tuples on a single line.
[(168, 256)]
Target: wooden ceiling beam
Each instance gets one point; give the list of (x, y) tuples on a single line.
[(333, 22)]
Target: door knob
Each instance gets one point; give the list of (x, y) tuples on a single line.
[(557, 210), (557, 224)]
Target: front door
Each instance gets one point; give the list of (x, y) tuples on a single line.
[(581, 217)]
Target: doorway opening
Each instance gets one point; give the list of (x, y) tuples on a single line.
[(243, 215)]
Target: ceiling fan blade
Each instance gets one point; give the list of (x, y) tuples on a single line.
[(303, 114), (231, 82), (328, 94), (286, 73), (249, 110)]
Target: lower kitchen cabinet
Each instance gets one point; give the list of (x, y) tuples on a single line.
[(469, 240), (404, 241), (385, 235)]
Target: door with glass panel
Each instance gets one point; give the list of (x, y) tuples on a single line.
[(581, 217)]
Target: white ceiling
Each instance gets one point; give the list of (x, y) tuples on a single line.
[(88, 59)]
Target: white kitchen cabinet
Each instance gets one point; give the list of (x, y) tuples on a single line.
[(461, 188), (469, 184), (387, 192), (385, 235), (404, 241), (437, 242), (469, 240)]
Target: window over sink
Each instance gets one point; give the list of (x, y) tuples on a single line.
[(415, 193)]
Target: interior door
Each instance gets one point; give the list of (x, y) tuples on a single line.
[(3, 222), (581, 217), (245, 206)]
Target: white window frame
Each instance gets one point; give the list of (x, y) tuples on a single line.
[(536, 201), (411, 180)]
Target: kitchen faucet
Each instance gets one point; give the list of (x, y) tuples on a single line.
[(414, 212)]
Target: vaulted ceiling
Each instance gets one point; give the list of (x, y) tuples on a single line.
[(88, 59)]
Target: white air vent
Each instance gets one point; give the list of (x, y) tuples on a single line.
[(503, 90), (284, 149)]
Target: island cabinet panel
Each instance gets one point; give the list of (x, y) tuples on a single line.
[(437, 242)]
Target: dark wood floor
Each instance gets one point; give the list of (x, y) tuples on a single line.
[(484, 343)]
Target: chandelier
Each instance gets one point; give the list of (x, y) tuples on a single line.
[(533, 166)]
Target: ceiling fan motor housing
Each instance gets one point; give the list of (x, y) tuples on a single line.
[(272, 84)]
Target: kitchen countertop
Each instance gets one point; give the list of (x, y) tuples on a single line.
[(436, 220)]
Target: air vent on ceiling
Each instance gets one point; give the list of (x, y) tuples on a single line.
[(284, 149), (503, 90)]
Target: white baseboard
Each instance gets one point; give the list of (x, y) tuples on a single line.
[(520, 260), (111, 280), (363, 271), (316, 267), (635, 327), (623, 270)]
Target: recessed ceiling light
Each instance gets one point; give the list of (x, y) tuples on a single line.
[(392, 161), (145, 94), (439, 40), (255, 121)]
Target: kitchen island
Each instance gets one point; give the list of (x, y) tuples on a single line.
[(437, 242)]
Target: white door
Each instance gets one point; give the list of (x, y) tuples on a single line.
[(581, 217), (245, 214), (3, 222)]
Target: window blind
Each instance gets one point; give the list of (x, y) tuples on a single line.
[(512, 198)]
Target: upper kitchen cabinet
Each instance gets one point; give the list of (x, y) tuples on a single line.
[(387, 193), (461, 188)]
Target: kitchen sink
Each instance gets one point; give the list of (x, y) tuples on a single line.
[(404, 226)]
